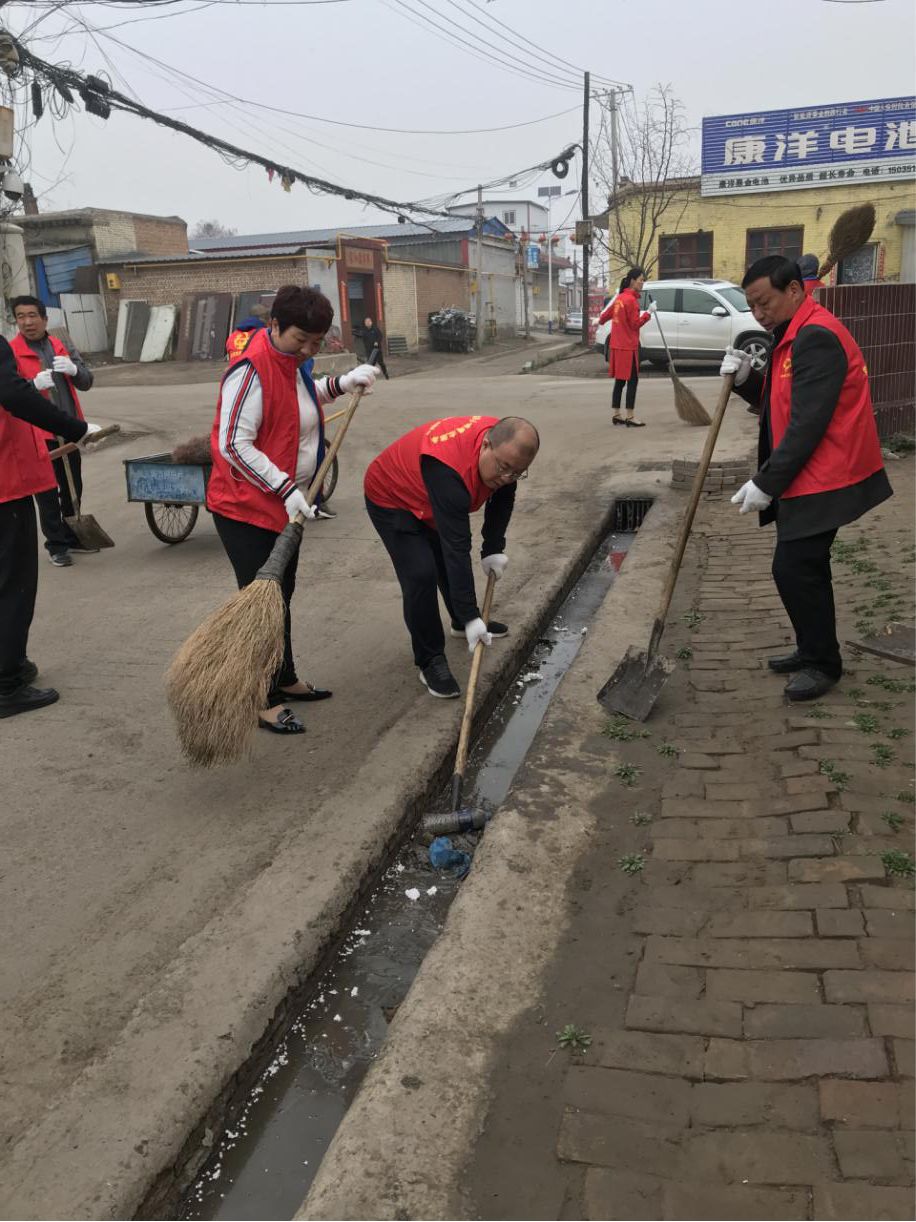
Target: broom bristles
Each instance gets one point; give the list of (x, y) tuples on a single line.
[(851, 230), (217, 682), (687, 405), (195, 452)]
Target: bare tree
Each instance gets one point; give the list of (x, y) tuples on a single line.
[(212, 229), (646, 173)]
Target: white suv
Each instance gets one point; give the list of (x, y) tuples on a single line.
[(700, 318)]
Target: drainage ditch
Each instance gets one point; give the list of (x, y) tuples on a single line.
[(264, 1162)]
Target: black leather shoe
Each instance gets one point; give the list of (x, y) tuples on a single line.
[(26, 698), (809, 684), (314, 693), (28, 672), (494, 627), (786, 664), (287, 723)]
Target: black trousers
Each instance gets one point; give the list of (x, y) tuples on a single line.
[(18, 584), (632, 385), (248, 547), (57, 503), (416, 553), (801, 570)]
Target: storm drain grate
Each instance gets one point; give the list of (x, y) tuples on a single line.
[(629, 514)]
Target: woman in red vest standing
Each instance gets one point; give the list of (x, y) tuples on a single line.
[(623, 365), (268, 438), (818, 454)]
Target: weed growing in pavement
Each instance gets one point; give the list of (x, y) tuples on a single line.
[(905, 795), (863, 566), (892, 685), (668, 750), (864, 625), (878, 583), (844, 552), (892, 819), (574, 1039), (684, 654), (829, 769), (640, 818), (883, 754), (632, 863), (693, 619), (899, 863), (866, 723), (627, 773), (622, 731), (901, 443), (855, 693), (816, 713), (880, 706), (898, 732)]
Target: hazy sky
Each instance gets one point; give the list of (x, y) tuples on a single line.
[(376, 63)]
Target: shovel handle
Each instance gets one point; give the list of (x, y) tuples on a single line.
[(69, 447), (464, 737), (696, 492)]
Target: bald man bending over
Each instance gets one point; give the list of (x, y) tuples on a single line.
[(420, 493)]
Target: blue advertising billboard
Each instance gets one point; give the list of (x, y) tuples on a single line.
[(809, 146)]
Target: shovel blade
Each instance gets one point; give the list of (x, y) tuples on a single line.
[(634, 687), (88, 531)]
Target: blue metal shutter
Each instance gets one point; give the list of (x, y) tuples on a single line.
[(60, 268)]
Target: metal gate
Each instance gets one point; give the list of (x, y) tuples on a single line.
[(204, 326), (86, 321)]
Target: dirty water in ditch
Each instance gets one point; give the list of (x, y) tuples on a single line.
[(264, 1163)]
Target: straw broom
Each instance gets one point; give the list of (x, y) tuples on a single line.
[(686, 404), (851, 230), (217, 683)]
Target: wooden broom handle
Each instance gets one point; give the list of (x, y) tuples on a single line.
[(71, 446), (464, 737)]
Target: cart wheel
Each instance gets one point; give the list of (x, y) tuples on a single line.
[(170, 523), (330, 481)]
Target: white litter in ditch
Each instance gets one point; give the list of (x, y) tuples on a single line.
[(412, 893), (354, 990), (432, 890), (530, 676)]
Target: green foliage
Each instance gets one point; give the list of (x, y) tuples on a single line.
[(899, 863), (632, 863), (668, 750), (574, 1039), (628, 774), (684, 654), (693, 619), (892, 819), (621, 730), (866, 723), (829, 769), (884, 755)]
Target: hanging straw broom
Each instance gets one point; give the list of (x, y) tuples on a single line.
[(851, 230), (686, 404), (217, 683)]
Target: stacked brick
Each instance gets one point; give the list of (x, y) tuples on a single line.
[(722, 477)]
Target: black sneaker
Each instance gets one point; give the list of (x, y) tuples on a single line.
[(28, 672), (439, 679), (61, 560), (27, 698), (495, 629), (787, 664), (82, 549), (809, 684)]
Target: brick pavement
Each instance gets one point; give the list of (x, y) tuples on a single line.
[(754, 1056)]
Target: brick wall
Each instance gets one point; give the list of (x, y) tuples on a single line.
[(399, 286), (165, 236), (438, 287)]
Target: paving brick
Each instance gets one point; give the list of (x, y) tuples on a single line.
[(904, 1060), (733, 829), (716, 746), (840, 922), (868, 1154), (886, 923), (684, 895), (690, 1017), (789, 740), (684, 785), (795, 767), (889, 954), (721, 1202), (617, 1092), (758, 1158), (647, 1052), (810, 783), (869, 985), (836, 870), (699, 808), (860, 1105), (768, 924), (821, 821), (799, 896), (744, 1104), (836, 1202), (740, 873), (763, 986), (669, 980), (792, 805), (756, 953), (649, 918), (803, 1022), (695, 760), (621, 1195), (894, 898), (891, 1020), (786, 847), (695, 850), (791, 1060), (586, 1137)]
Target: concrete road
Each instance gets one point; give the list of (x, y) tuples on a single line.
[(155, 917)]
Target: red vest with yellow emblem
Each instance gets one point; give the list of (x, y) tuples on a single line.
[(850, 450), (394, 480), (29, 364)]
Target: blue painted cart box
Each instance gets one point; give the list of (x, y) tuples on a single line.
[(157, 478)]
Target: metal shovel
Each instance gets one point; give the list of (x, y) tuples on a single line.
[(84, 526), (634, 687)]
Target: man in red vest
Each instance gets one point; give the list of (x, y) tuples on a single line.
[(420, 493), (58, 372), (819, 458), (25, 471)]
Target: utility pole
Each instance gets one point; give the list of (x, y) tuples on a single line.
[(613, 109), (478, 341), (549, 272), (523, 246), (586, 245)]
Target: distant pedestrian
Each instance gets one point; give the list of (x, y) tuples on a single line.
[(373, 338), (808, 266), (58, 371), (240, 337), (623, 362), (819, 458)]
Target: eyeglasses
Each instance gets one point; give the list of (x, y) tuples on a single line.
[(505, 472)]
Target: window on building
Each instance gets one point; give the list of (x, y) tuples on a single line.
[(685, 256), (785, 242), (859, 268), (697, 301), (508, 218)]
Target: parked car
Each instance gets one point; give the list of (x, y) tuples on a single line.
[(573, 322), (700, 318)]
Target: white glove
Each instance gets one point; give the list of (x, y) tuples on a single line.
[(495, 564), (476, 633), (737, 362), (652, 307), (89, 435), (44, 380), (296, 503), (63, 364), (362, 375), (751, 498)]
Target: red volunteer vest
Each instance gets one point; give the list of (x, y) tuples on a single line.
[(244, 497), (30, 366), (394, 481), (849, 451), (237, 343), (24, 464)]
